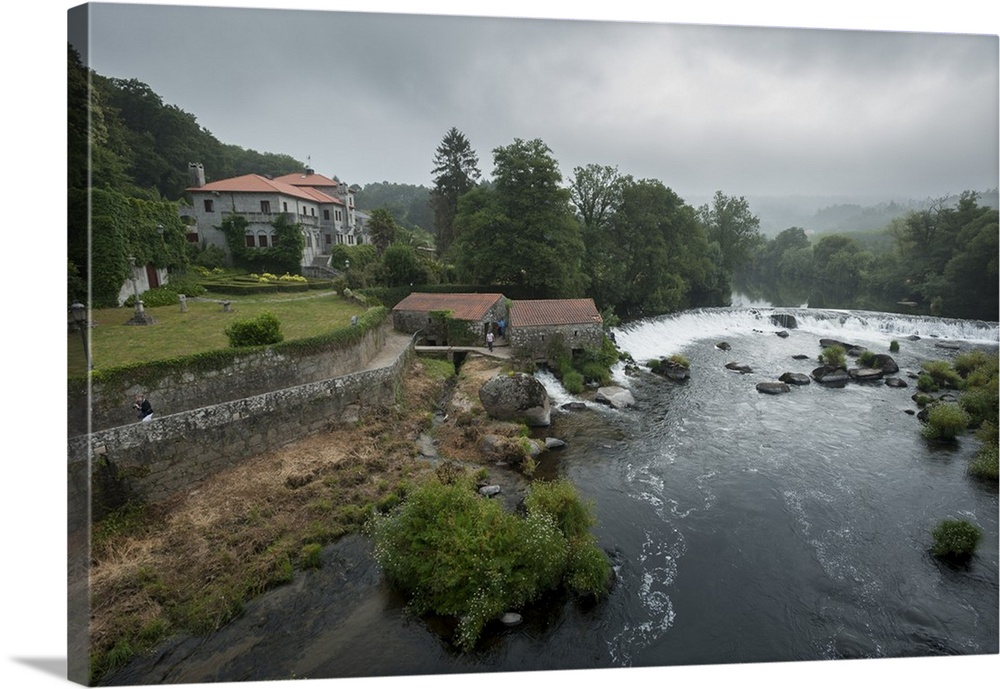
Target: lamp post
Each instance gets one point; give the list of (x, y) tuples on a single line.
[(140, 317), (79, 313), (347, 264)]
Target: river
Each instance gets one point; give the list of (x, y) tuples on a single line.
[(746, 528)]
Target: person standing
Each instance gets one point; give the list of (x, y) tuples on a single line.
[(144, 408), (489, 340)]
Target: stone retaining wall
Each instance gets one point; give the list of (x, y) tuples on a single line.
[(110, 405), (175, 452)]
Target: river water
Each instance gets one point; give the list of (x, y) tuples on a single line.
[(744, 527)]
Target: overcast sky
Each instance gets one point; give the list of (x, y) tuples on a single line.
[(746, 110)]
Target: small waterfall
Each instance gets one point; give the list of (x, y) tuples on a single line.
[(557, 393), (670, 334)]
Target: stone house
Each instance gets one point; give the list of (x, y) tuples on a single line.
[(476, 312), (535, 322), (323, 207)]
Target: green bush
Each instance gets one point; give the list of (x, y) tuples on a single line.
[(158, 296), (945, 421), (984, 464), (894, 346), (943, 374), (926, 384), (834, 356), (967, 362), (955, 539), (680, 360), (867, 358), (310, 558), (456, 553), (981, 404), (573, 382), (251, 332)]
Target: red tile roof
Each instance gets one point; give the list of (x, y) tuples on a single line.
[(464, 307), (538, 312), (261, 184), (301, 179)]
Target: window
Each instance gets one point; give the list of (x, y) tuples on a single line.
[(340, 216), (192, 237), (209, 206), (261, 239), (284, 206), (312, 212), (326, 214), (329, 239), (249, 240), (265, 206)]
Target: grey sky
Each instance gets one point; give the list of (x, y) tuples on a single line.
[(750, 111)]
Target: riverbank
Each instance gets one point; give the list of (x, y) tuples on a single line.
[(191, 564)]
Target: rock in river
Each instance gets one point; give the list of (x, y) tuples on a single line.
[(516, 397), (617, 397), (773, 388)]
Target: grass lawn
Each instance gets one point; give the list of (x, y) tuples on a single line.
[(202, 327)]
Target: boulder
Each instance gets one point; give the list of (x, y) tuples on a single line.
[(865, 374), (489, 491), (850, 349), (794, 378), (553, 443), (724, 346), (511, 619), (615, 396), (738, 367), (670, 369), (885, 363), (782, 334), (574, 406), (896, 383), (947, 345), (800, 357), (784, 320), (828, 375), (516, 397), (773, 388)]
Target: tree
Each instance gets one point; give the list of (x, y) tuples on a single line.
[(595, 191), (383, 230), (522, 231), (455, 173), (737, 231)]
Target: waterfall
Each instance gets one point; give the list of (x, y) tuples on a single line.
[(652, 337)]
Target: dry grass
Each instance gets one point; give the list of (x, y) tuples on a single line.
[(191, 564)]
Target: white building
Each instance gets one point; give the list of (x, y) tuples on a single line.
[(323, 207)]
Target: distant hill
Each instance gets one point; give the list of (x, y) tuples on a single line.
[(826, 214)]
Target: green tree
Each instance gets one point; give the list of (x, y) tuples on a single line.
[(736, 230), (403, 266), (456, 171), (382, 228), (522, 231)]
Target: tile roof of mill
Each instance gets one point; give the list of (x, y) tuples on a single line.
[(463, 306), (539, 312), (260, 184)]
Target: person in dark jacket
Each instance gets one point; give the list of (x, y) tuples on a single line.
[(143, 407)]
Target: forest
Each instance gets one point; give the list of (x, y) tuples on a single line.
[(633, 245)]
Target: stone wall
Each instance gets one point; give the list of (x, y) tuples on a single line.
[(535, 340), (252, 374), (176, 451)]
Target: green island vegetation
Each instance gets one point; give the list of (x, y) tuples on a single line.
[(459, 554), (833, 356), (955, 539), (973, 377), (576, 370)]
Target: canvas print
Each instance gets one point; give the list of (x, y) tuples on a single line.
[(406, 345)]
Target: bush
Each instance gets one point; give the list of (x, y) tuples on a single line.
[(926, 384), (867, 358), (158, 296), (945, 421), (680, 360), (894, 346), (456, 553), (981, 404), (251, 332), (943, 374), (573, 382), (833, 356), (955, 539), (984, 464), (967, 362)]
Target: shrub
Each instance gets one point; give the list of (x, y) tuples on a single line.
[(955, 539), (573, 382), (984, 464), (943, 374), (894, 346), (680, 360), (867, 358), (158, 296), (456, 553), (945, 421), (310, 556), (981, 404), (926, 384), (967, 362), (833, 356), (260, 330)]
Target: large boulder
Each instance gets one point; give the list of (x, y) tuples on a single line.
[(829, 375), (617, 397), (884, 363), (738, 367), (865, 374), (770, 388), (670, 369), (850, 349), (784, 320), (794, 378), (516, 397)]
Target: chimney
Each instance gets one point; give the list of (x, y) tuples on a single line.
[(196, 173)]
